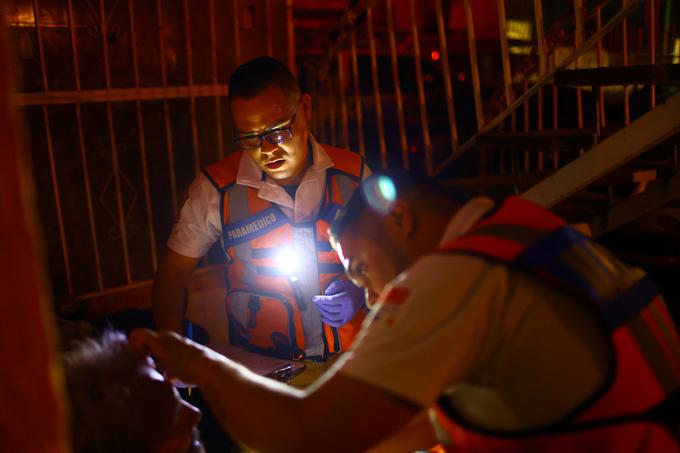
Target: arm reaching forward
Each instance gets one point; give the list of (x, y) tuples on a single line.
[(338, 413), (169, 294)]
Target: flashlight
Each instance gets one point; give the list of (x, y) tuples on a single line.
[(288, 261)]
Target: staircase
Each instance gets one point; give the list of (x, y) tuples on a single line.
[(590, 125)]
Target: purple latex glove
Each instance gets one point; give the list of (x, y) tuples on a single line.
[(340, 302)]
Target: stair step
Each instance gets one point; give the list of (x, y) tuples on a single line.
[(560, 139), (658, 74)]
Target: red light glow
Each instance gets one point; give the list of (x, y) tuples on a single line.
[(434, 55)]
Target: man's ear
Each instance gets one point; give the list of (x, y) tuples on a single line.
[(402, 218), (306, 106)]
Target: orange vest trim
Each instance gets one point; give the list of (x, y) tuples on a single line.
[(346, 161), (223, 173), (628, 413)]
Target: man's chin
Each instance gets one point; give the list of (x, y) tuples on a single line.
[(282, 176)]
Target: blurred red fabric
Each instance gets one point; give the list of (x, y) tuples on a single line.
[(32, 405)]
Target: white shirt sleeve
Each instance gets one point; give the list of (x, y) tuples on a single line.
[(433, 325), (199, 225)]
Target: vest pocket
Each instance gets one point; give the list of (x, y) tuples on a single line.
[(264, 323)]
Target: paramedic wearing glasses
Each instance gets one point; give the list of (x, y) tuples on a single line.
[(273, 198)]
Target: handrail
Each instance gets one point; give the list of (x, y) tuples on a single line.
[(543, 81)]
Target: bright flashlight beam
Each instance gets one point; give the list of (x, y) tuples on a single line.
[(380, 194), (288, 261)]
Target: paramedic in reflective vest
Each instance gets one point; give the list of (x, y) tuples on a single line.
[(270, 205), (513, 331)]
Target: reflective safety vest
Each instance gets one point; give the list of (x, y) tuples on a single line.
[(270, 307), (638, 407)]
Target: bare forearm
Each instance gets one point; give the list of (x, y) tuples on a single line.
[(263, 415), (168, 301), (168, 298), (338, 412)]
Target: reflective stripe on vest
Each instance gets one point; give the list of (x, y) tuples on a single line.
[(238, 211), (645, 342)]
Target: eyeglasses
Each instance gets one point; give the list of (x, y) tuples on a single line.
[(274, 136)]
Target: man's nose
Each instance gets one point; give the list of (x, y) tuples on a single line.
[(268, 147)]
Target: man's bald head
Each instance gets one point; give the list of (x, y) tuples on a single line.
[(390, 221)]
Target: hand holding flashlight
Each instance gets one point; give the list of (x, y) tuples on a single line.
[(340, 302)]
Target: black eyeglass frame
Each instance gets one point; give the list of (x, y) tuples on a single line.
[(269, 136)]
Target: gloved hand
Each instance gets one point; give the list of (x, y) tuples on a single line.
[(340, 302)]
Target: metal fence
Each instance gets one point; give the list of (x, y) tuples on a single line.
[(124, 102), (515, 91)]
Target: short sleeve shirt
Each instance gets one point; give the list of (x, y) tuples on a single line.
[(464, 324)]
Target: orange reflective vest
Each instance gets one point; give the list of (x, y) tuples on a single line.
[(638, 407), (270, 310)]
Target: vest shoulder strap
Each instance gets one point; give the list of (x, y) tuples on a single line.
[(539, 243), (223, 173), (347, 162), (514, 226)]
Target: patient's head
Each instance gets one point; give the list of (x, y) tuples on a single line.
[(119, 402)]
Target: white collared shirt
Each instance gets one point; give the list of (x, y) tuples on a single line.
[(199, 225)]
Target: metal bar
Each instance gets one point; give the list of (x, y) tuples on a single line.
[(166, 114), (357, 93), (237, 31), (527, 120), (656, 195), (376, 88), (505, 52), (190, 82), (114, 149), (556, 116), (543, 63), (142, 139), (83, 151), (474, 67), (448, 87), (540, 37), (624, 45), (268, 26), (403, 142), (662, 74), (539, 126), (87, 297), (215, 80), (652, 48), (601, 117), (507, 82), (650, 129), (422, 105), (343, 100), (117, 95), (290, 34), (549, 77), (578, 39), (50, 152), (331, 111)]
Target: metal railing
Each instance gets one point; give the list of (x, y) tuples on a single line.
[(143, 138), (525, 78), (168, 115)]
